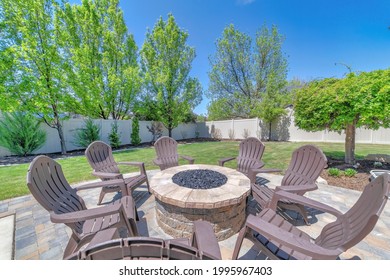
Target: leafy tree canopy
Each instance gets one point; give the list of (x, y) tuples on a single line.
[(245, 76), (358, 100), (102, 67), (166, 62), (32, 62)]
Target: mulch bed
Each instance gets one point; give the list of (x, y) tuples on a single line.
[(357, 182)]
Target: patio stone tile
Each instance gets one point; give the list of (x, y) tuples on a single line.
[(28, 252), (55, 253), (19, 200), (24, 231), (3, 207), (26, 215), (36, 237), (22, 243)]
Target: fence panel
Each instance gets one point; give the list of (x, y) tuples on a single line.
[(282, 130)]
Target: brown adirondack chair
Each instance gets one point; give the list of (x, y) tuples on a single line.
[(249, 157), (100, 157), (306, 165), (48, 185), (167, 155), (202, 245), (278, 239)]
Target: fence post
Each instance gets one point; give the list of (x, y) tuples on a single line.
[(257, 128), (233, 130)]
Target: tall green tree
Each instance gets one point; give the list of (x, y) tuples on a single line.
[(102, 67), (33, 62), (245, 78), (166, 62), (358, 100)]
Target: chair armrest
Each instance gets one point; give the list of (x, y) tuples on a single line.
[(278, 195), (188, 158), (87, 214), (114, 182), (204, 239), (140, 165), (157, 162), (277, 234), (222, 161), (258, 165), (297, 188), (106, 175), (252, 172)]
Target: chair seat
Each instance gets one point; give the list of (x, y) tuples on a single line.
[(135, 181), (95, 225), (263, 196), (281, 251)]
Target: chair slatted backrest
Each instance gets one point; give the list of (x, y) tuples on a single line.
[(250, 153), (166, 151), (128, 248), (306, 165), (100, 157), (139, 248), (48, 185), (350, 228), (178, 251)]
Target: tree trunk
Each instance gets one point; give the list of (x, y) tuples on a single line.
[(61, 135), (169, 131), (350, 133), (269, 132)]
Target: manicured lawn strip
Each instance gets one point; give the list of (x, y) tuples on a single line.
[(77, 169)]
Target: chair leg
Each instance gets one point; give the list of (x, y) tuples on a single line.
[(239, 241), (303, 213), (147, 184), (71, 246), (101, 196)]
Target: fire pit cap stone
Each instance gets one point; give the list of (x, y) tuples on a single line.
[(236, 188)]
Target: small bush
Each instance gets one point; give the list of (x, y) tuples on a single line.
[(378, 164), (156, 128), (20, 133), (334, 172), (216, 134), (135, 139), (231, 134), (246, 133), (88, 134), (349, 172), (114, 136)]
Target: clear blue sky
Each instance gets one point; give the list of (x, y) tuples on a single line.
[(318, 34)]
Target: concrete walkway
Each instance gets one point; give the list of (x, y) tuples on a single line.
[(27, 233)]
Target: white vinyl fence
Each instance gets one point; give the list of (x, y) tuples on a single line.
[(282, 130), (285, 130), (52, 145)]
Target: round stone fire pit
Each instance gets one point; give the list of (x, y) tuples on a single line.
[(223, 205)]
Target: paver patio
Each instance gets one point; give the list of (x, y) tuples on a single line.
[(36, 237)]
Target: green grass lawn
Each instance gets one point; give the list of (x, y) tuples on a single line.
[(77, 169)]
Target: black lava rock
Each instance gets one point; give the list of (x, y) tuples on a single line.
[(199, 179)]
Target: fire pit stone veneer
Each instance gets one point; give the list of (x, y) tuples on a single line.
[(177, 207)]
